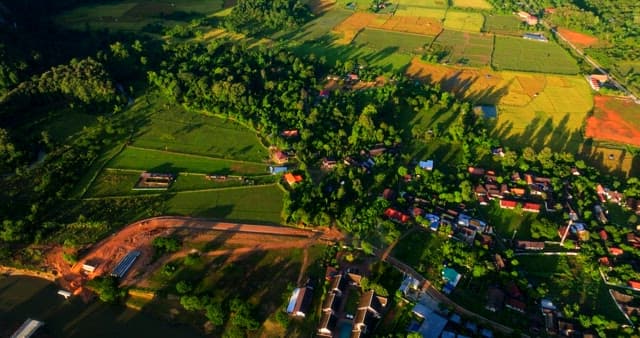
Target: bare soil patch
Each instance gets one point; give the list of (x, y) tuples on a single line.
[(578, 39), (609, 125)]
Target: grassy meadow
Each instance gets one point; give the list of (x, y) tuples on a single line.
[(504, 24), (475, 4), (513, 53), (400, 42)]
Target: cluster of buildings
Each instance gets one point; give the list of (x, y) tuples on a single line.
[(530, 192), (528, 18), (616, 197)]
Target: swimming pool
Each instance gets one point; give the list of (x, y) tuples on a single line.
[(345, 329)]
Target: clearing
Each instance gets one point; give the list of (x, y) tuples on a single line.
[(580, 40), (614, 119), (512, 53)]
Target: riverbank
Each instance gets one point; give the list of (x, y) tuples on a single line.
[(11, 271)]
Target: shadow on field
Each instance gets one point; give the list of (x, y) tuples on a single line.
[(541, 133)]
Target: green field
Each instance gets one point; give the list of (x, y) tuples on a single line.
[(425, 3), (464, 21), (250, 204), (400, 42), (136, 15), (502, 24), (317, 28), (177, 130), (168, 162), (477, 4), (532, 56), (469, 49)]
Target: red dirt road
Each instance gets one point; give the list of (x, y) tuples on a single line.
[(608, 125), (138, 236)]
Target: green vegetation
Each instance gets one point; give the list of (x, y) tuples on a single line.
[(505, 24), (106, 288), (464, 21), (399, 42), (533, 56), (254, 204), (468, 49), (256, 16)]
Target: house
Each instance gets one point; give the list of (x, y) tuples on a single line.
[(480, 191), (531, 207), (604, 261), (518, 192), (290, 133), (324, 94), (327, 324), (426, 165), (299, 302), (575, 171), (328, 163), (476, 171), (634, 285), (277, 170), (415, 212), (370, 310), (516, 305), (531, 20), (352, 77), (280, 157), (535, 37), (600, 193), (508, 204), (396, 215), (292, 179), (466, 234), (633, 240), (388, 194), (634, 205), (378, 151), (497, 151), (338, 285), (408, 285), (515, 177), (432, 323), (616, 251), (603, 235), (528, 178), (528, 245), (433, 221), (495, 299), (451, 278)]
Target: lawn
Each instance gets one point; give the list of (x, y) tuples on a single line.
[(253, 204), (400, 42), (506, 222), (169, 162), (502, 24), (136, 15), (468, 49), (464, 21), (512, 53), (477, 4), (177, 130)]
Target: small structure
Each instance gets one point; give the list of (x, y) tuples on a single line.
[(369, 312), (275, 170), (475, 171), (28, 328), (596, 81), (324, 94), (528, 245), (280, 157), (396, 215), (531, 207), (299, 302), (64, 293), (292, 179), (508, 204), (432, 323), (125, 264), (154, 181), (426, 165), (88, 268), (290, 133), (535, 37), (451, 278), (531, 20), (328, 163)]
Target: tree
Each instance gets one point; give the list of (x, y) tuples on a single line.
[(215, 314), (184, 287), (106, 288), (191, 303)]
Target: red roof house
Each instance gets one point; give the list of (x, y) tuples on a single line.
[(290, 133), (634, 285), (476, 171), (531, 207), (292, 179), (616, 251), (508, 204), (396, 215), (603, 235)]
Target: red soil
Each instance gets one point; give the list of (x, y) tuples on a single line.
[(608, 125), (578, 39)]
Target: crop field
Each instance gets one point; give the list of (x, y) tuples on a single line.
[(426, 12), (425, 3), (174, 129), (354, 24), (502, 24), (469, 49), (513, 53), (317, 28), (464, 21), (401, 42), (169, 162), (616, 120), (534, 109), (251, 204), (477, 4), (135, 15)]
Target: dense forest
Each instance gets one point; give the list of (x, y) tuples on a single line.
[(264, 16)]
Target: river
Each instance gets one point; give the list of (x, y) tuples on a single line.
[(28, 297)]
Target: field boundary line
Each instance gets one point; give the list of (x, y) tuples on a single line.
[(100, 170), (195, 155), (179, 192), (184, 173), (393, 31)]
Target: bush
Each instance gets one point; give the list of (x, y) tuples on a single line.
[(106, 288)]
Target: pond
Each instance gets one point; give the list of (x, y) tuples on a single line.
[(28, 297)]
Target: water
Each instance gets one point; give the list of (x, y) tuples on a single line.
[(28, 297), (345, 329)]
